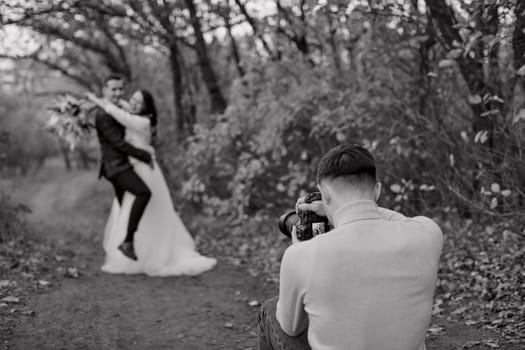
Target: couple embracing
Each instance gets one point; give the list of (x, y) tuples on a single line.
[(143, 234)]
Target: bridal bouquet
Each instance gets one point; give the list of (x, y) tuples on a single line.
[(69, 119)]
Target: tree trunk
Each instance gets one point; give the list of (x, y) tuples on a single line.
[(297, 37), (257, 32), (218, 103), (84, 158), (332, 32), (65, 155), (518, 45), (518, 39), (488, 22), (233, 42), (176, 77), (424, 68), (471, 68)]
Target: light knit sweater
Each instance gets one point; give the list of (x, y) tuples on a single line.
[(366, 285)]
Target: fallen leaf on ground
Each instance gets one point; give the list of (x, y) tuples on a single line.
[(29, 313), (470, 344), (491, 343), (436, 330), (459, 311), (11, 299), (72, 272), (4, 283), (27, 275)]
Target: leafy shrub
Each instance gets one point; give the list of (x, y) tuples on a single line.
[(261, 154)]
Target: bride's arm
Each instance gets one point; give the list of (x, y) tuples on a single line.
[(122, 116)]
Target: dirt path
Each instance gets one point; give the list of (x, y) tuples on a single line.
[(100, 311)]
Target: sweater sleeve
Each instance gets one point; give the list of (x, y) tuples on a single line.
[(293, 280), (424, 222)]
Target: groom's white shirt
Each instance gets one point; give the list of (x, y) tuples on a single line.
[(367, 284)]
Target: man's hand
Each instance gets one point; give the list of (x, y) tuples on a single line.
[(151, 152), (294, 235), (316, 206)]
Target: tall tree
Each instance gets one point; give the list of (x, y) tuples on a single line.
[(218, 103), (518, 39), (470, 63), (257, 30), (225, 11), (295, 27), (156, 24)]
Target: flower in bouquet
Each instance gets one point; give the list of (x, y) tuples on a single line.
[(69, 119)]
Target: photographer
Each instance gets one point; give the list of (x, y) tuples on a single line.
[(368, 284)]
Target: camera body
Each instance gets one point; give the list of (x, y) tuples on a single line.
[(308, 223)]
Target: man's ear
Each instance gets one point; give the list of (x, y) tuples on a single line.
[(377, 190)]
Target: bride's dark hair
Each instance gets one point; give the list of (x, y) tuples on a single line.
[(150, 110)]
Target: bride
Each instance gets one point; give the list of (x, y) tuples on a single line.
[(162, 243)]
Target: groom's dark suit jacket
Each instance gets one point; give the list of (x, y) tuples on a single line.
[(115, 150)]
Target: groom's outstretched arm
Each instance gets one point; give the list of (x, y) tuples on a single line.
[(106, 126)]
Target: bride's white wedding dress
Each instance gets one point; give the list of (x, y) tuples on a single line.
[(163, 245)]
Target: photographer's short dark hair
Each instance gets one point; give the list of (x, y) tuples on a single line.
[(111, 77), (349, 162)]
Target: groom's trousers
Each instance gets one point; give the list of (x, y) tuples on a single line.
[(129, 181)]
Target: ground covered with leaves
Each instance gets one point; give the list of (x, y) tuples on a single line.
[(29, 265), (481, 281)]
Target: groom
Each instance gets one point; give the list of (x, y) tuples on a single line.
[(115, 166)]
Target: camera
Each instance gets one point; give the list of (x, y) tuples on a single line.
[(308, 223)]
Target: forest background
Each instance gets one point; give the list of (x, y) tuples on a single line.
[(252, 93)]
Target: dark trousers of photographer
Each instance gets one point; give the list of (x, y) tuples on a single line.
[(271, 335)]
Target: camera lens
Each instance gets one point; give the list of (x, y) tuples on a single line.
[(288, 221)]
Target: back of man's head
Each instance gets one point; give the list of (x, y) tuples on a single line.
[(350, 165)]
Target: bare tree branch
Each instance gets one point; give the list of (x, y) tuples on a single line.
[(34, 56), (256, 30)]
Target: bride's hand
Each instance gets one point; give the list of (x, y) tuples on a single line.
[(124, 104), (93, 98), (151, 151)]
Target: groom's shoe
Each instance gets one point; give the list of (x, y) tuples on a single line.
[(127, 249)]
